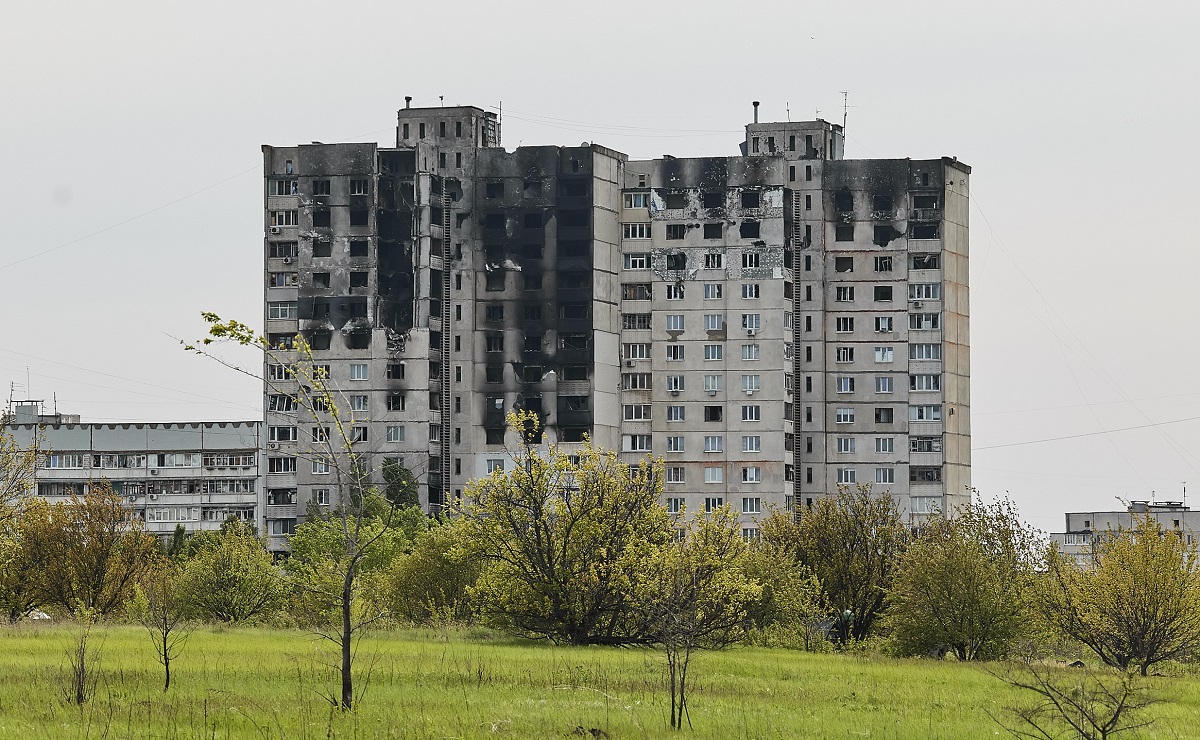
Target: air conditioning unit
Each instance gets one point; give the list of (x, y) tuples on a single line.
[(918, 304), (751, 332), (153, 471), (272, 445), (674, 392), (276, 230), (712, 392), (629, 363), (153, 497), (749, 392), (287, 260)]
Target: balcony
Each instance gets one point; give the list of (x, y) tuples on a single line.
[(925, 214)]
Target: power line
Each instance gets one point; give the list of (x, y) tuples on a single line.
[(1085, 434)]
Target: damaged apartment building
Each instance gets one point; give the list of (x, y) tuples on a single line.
[(773, 325)]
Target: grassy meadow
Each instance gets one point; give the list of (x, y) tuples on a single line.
[(261, 683)]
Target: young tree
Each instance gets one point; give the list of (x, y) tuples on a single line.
[(697, 595), (229, 576), (964, 583), (93, 551), (160, 604), (18, 470), (22, 564), (333, 551), (851, 543), (792, 611), (1137, 606), (563, 541)]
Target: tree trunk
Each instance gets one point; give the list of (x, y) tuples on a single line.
[(347, 629), (166, 662), (671, 670)]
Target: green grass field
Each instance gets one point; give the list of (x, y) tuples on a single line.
[(260, 683)]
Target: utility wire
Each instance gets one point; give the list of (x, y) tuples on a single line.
[(1086, 434)]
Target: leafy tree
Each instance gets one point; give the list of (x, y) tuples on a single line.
[(229, 576), (696, 594), (399, 485), (851, 543), (1138, 605), (964, 583), (22, 565), (792, 611), (93, 552), (431, 583), (564, 541), (160, 604)]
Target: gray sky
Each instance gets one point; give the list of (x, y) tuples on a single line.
[(130, 148)]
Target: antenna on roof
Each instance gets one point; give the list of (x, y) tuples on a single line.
[(788, 107), (845, 109)]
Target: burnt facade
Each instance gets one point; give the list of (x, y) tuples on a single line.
[(722, 313)]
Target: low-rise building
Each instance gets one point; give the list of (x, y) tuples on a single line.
[(1084, 527)]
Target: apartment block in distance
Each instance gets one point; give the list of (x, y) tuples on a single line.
[(772, 325), (196, 475)]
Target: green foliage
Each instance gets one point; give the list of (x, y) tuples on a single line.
[(564, 542), (1137, 606), (22, 563), (92, 552), (229, 576), (792, 611), (696, 594), (400, 486), (18, 471), (963, 584), (161, 604), (430, 584), (851, 542)]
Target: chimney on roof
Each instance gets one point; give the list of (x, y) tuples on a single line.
[(756, 111), (407, 101)]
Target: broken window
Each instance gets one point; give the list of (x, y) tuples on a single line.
[(574, 280), (358, 280), (578, 310), (882, 203), (713, 230), (395, 371), (359, 216), (322, 248), (883, 264), (532, 188), (495, 280), (573, 219), (843, 200), (677, 261), (533, 220), (533, 313), (674, 200), (883, 292), (714, 261), (676, 231), (925, 201), (530, 280), (320, 280), (574, 247), (573, 188), (531, 251), (884, 415), (751, 198), (575, 403), (533, 343), (843, 264), (493, 221), (494, 312), (494, 374), (494, 189), (885, 234), (923, 231), (575, 372), (714, 413), (926, 261), (532, 373), (320, 187), (360, 187), (358, 247), (320, 219), (318, 339), (751, 260), (750, 229), (843, 233), (494, 437)]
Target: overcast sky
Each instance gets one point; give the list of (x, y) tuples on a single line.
[(131, 190)]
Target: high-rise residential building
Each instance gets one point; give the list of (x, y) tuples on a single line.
[(773, 325)]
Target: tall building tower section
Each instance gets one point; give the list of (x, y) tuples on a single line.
[(773, 324)]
